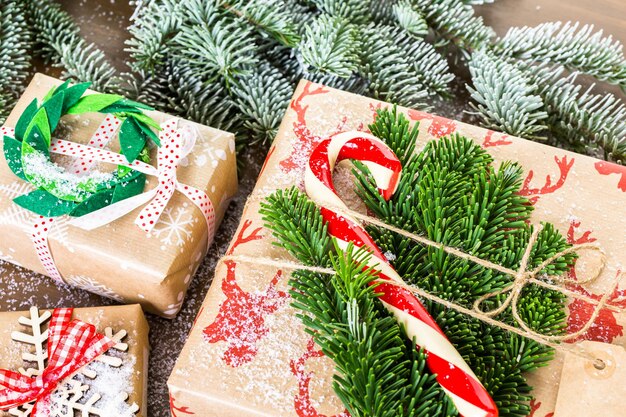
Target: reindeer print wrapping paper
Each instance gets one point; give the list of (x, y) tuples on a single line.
[(248, 354)]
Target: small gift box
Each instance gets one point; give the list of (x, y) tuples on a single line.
[(135, 233), (66, 362), (248, 352)]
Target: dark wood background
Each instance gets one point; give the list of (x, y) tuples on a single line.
[(104, 22)]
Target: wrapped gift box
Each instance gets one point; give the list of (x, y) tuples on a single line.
[(122, 388), (249, 355), (119, 260)]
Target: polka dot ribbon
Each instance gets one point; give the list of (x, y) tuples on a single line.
[(71, 345), (454, 375), (176, 144), (101, 138)]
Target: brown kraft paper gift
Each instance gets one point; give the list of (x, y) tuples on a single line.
[(248, 353), (111, 382), (119, 260)]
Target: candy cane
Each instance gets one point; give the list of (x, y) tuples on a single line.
[(452, 373)]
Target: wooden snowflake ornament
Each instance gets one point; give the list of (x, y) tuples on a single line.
[(94, 390)]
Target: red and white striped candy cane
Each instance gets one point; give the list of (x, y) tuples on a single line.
[(453, 374)]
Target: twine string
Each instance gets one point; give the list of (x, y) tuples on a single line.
[(521, 277)]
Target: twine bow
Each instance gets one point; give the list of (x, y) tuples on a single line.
[(522, 277), (72, 344)]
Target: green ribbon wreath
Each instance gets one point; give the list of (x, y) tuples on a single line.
[(59, 192)]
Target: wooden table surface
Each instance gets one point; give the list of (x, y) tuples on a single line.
[(104, 22)]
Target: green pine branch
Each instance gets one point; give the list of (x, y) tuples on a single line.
[(59, 42), (409, 18), (578, 48), (378, 372), (152, 31), (455, 21), (221, 49), (330, 45), (451, 193), (505, 98), (270, 17), (262, 98), (15, 56)]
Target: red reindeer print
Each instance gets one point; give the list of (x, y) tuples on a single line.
[(267, 158), (195, 320), (534, 407), (341, 126), (605, 328), (305, 139), (374, 107), (240, 321), (439, 127), (241, 239), (549, 187), (489, 141), (607, 168), (302, 403), (176, 409)]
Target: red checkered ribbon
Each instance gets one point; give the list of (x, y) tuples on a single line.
[(72, 344), (176, 144)]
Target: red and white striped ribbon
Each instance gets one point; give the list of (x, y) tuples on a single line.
[(452, 372), (176, 144)]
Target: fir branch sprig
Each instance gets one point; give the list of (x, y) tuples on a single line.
[(152, 30), (541, 101), (578, 48), (356, 11), (262, 98), (391, 77), (378, 373), (587, 122), (330, 45), (410, 19), (270, 17), (218, 50), (454, 21), (451, 193), (496, 84), (15, 44), (402, 69), (59, 42)]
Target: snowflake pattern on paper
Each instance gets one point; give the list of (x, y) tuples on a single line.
[(175, 226), (206, 152), (90, 285), (15, 214), (77, 395)]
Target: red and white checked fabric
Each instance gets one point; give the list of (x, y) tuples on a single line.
[(452, 372), (101, 138), (176, 144), (72, 344)]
